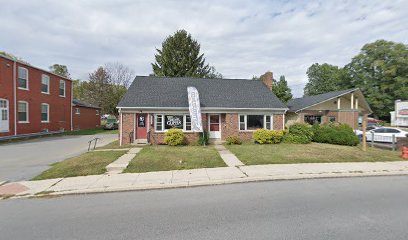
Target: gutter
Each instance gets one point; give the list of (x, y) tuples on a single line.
[(15, 95)]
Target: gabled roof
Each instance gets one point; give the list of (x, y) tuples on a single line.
[(166, 92), (29, 65), (302, 103), (80, 103)]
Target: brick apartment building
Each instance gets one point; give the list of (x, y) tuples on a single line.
[(32, 100), (85, 115), (229, 107)]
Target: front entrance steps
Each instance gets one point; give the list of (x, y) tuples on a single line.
[(141, 141), (215, 141)]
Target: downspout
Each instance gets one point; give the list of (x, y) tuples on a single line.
[(72, 96), (121, 127), (15, 95)]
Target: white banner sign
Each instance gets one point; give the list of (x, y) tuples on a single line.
[(195, 110)]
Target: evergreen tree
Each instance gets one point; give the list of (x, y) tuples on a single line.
[(281, 90), (180, 57)]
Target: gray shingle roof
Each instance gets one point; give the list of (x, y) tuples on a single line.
[(80, 103), (307, 101), (165, 92)]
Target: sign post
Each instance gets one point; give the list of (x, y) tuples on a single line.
[(365, 116), (195, 110)]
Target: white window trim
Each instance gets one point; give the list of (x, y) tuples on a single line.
[(163, 124), (48, 84), (48, 112), (59, 88), (245, 121), (18, 78), (27, 112), (78, 112), (97, 112)]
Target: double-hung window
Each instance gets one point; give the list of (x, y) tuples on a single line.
[(45, 113), (164, 122), (45, 84), (62, 88), (253, 122), (23, 112), (22, 78)]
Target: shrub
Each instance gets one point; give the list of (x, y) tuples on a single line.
[(334, 133), (203, 139), (233, 140), (296, 139), (174, 137), (264, 136), (303, 131)]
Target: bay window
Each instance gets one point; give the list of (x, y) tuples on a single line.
[(253, 122), (164, 122)]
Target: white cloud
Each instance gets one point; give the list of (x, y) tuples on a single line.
[(240, 38)]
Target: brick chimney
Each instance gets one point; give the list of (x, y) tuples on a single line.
[(267, 79)]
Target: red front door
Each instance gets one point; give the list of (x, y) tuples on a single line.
[(141, 126)]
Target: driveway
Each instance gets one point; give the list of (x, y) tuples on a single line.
[(25, 160)]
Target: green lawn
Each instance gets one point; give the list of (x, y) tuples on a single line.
[(115, 145), (90, 163), (91, 132), (163, 158), (253, 154)]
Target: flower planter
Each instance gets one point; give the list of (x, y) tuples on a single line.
[(404, 152)]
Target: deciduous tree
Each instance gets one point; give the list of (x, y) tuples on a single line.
[(323, 78)]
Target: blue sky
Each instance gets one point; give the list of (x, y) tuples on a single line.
[(239, 38)]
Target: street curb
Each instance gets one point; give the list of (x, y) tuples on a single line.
[(218, 182)]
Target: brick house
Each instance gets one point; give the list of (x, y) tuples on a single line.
[(344, 106), (32, 100), (85, 115), (229, 107)]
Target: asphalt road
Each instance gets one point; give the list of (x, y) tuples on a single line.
[(25, 160), (344, 208)]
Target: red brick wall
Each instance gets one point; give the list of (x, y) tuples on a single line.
[(86, 119), (191, 138), (59, 107), (229, 127), (128, 127), (6, 91)]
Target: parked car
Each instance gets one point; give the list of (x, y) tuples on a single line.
[(359, 133), (111, 124), (384, 134)]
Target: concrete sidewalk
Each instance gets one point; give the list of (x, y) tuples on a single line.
[(198, 177)]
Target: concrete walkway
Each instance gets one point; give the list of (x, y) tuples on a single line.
[(122, 162), (198, 177), (229, 158)]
